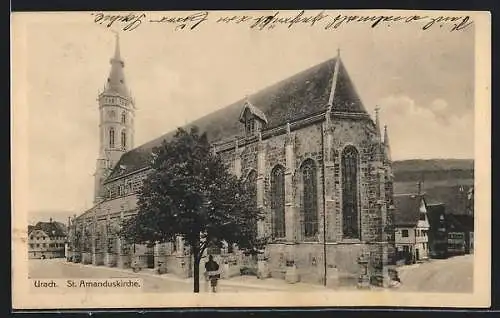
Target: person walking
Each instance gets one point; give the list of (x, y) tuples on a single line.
[(212, 272)]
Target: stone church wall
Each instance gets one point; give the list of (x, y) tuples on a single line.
[(307, 255), (342, 257)]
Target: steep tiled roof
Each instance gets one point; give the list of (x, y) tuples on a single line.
[(407, 209), (299, 96), (52, 229)]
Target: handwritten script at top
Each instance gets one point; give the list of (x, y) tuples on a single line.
[(132, 21)]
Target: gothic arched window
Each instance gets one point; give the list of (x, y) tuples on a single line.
[(124, 118), (111, 137), (350, 226), (309, 208), (278, 201), (124, 139)]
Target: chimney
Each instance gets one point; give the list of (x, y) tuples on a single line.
[(419, 188), (50, 220)]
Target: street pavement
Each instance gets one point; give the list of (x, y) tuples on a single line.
[(452, 275), (449, 275)]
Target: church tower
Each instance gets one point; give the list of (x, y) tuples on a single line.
[(116, 123)]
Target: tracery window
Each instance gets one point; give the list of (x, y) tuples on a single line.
[(278, 201), (350, 225), (309, 199)]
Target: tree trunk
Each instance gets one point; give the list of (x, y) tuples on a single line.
[(196, 269)]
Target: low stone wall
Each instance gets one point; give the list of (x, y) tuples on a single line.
[(86, 258), (124, 261), (110, 259), (48, 254), (302, 262), (230, 266), (179, 265), (98, 258)]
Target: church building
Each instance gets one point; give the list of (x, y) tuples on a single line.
[(320, 165)]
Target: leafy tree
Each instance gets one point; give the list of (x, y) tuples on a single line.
[(191, 193)]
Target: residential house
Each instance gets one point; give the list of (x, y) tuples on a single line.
[(460, 234), (438, 235), (46, 240), (411, 228)]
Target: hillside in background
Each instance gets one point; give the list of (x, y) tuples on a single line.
[(433, 164), (443, 180)]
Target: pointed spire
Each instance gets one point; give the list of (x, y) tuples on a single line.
[(334, 80), (377, 120), (386, 136), (117, 47), (116, 79), (387, 147)]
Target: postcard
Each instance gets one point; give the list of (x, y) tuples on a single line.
[(251, 158)]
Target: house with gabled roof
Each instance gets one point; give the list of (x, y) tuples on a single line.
[(411, 227), (460, 234), (320, 163), (438, 234), (47, 240)]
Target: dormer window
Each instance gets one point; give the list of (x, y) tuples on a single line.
[(253, 118)]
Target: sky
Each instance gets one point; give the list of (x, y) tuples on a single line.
[(423, 82)]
